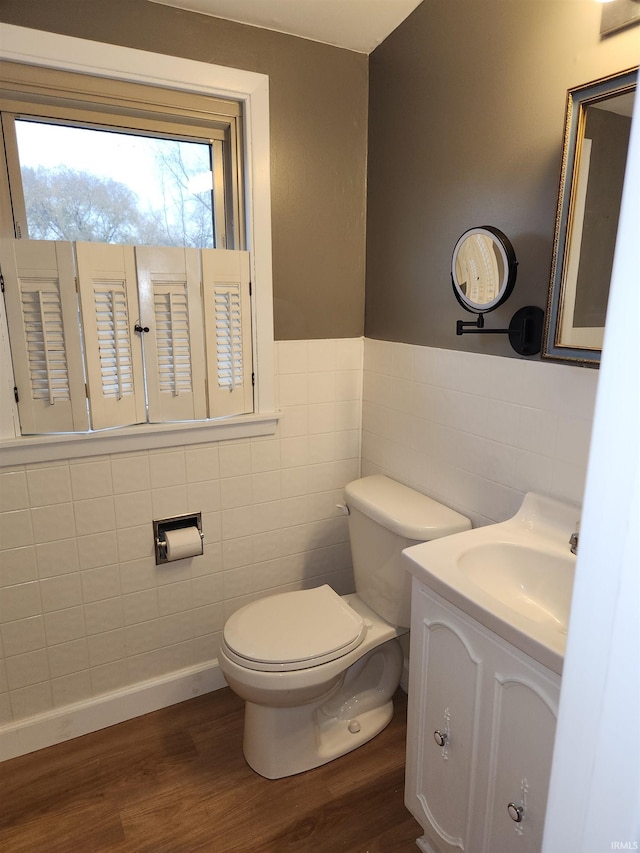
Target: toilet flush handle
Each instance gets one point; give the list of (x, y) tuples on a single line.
[(344, 509)]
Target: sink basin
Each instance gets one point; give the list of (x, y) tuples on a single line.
[(515, 578), (535, 583)]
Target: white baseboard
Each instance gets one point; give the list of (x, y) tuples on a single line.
[(62, 724)]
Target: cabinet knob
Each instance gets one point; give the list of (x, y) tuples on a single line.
[(440, 737), (516, 812)]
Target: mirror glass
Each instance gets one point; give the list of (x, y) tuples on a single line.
[(483, 269), (597, 126)]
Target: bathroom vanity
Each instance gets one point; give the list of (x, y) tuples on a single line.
[(489, 618), (480, 734)]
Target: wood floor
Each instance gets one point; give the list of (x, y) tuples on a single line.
[(175, 781)]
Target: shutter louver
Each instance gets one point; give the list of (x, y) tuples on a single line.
[(228, 331), (229, 358), (172, 339), (45, 338), (44, 333), (114, 339), (171, 306), (108, 295)]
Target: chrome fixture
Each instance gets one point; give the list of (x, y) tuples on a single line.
[(573, 540)]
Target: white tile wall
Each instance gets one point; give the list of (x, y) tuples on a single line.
[(83, 607), (475, 431)]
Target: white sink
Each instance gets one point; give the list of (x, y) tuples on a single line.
[(516, 578)]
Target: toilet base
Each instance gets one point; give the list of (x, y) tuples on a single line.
[(281, 741)]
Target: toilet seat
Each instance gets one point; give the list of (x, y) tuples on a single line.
[(293, 630)]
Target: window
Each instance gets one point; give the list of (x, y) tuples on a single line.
[(161, 295), (89, 159)]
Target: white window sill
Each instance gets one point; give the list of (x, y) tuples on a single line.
[(46, 448)]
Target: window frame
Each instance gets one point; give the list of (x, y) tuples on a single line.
[(49, 50), (70, 99)]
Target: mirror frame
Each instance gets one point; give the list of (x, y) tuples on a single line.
[(510, 269), (578, 99)]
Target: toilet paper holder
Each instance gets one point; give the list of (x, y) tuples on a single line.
[(176, 522)]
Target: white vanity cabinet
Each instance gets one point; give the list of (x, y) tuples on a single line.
[(481, 726)]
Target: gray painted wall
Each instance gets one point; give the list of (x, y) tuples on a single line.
[(466, 107), (318, 99), (466, 117)]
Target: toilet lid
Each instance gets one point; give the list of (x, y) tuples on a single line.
[(294, 630)]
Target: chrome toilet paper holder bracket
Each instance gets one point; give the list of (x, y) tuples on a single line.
[(176, 522)]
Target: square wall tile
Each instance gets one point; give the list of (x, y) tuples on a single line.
[(68, 657), (49, 485), (97, 549), (61, 592), (130, 473), (28, 701), (292, 357), (323, 355), (15, 529), (13, 491), (26, 669), (109, 676), (91, 479), (203, 496), (167, 468), (18, 565), (133, 509), (63, 626), (20, 601), (235, 459), (100, 583), (53, 522), (106, 647), (104, 615), (202, 463), (169, 501), (71, 688), (57, 558), (24, 635), (140, 606), (95, 515)]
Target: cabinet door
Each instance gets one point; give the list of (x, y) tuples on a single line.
[(445, 679), (524, 721)]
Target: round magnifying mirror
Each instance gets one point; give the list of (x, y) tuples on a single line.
[(483, 269)]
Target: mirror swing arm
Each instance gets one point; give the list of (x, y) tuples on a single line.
[(483, 273), (525, 329)]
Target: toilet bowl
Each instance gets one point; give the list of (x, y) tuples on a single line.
[(317, 670), (302, 714)]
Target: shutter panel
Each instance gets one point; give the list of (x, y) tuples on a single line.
[(108, 295), (227, 309), (42, 314), (171, 306)]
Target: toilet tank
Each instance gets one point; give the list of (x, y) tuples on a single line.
[(384, 518)]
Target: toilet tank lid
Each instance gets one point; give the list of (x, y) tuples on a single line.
[(403, 510)]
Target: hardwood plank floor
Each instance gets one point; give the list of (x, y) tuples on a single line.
[(175, 781)]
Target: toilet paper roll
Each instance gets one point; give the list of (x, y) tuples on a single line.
[(184, 542)]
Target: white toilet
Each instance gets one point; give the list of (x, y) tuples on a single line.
[(318, 671)]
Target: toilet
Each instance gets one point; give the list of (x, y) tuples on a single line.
[(318, 670)]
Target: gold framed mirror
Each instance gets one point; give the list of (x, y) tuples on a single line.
[(597, 126)]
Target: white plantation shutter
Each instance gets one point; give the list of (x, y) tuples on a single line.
[(227, 308), (171, 308), (42, 314), (108, 295)]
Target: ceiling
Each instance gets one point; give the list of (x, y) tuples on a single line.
[(359, 25)]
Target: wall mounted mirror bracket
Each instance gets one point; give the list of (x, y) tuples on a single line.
[(483, 273), (525, 329)]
